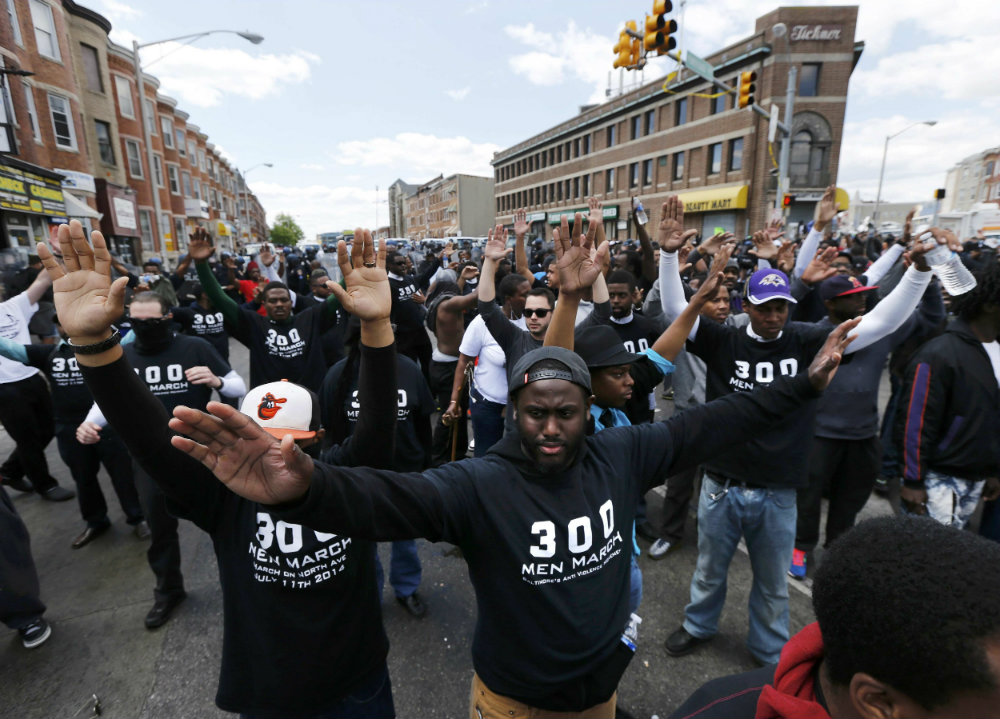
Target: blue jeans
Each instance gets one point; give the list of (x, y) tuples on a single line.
[(766, 518), (404, 569), (371, 699), (951, 500), (487, 421)]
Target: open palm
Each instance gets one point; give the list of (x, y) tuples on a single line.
[(577, 263), (671, 235), (366, 292)]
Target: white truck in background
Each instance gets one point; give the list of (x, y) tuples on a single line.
[(983, 218)]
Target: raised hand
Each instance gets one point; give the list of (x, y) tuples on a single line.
[(786, 257), (595, 212), (496, 244), (711, 284), (908, 227), (775, 228), (824, 365), (710, 246), (521, 225), (763, 246), (826, 208), (469, 272), (200, 246), (820, 267), (265, 256), (366, 285), (577, 263), (671, 234), (244, 457), (86, 299)]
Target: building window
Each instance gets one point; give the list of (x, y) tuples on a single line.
[(14, 23), (29, 96), (167, 125), (647, 172), (650, 122), (123, 88), (611, 130), (186, 181), (7, 141), (714, 158), (180, 143), (91, 68), (45, 30), (179, 232), (681, 111), (150, 117), (586, 185), (158, 170), (175, 185), (197, 188), (736, 154), (719, 103), (678, 166), (576, 187), (609, 180), (201, 160), (134, 154), (146, 230), (633, 175), (636, 127), (62, 121), (104, 147), (586, 144), (809, 80)]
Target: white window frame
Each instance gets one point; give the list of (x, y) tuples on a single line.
[(167, 126), (201, 160), (15, 24), (130, 145), (123, 89), (196, 187), (174, 178), (29, 96), (158, 170), (69, 121), (192, 151), (186, 183), (179, 141), (111, 142), (150, 116), (49, 33), (146, 230)]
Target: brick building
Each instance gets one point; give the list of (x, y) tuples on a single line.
[(73, 145), (655, 141), (973, 180), (449, 207)]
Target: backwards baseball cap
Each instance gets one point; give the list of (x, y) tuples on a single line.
[(768, 284), (573, 369), (283, 408), (599, 346), (841, 286)]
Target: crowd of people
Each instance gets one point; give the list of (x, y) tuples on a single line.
[(508, 407)]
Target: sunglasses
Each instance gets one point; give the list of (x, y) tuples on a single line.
[(536, 313)]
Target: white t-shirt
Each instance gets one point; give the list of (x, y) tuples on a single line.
[(491, 374), (993, 350), (14, 316)]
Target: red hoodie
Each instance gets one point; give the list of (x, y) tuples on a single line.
[(793, 694)]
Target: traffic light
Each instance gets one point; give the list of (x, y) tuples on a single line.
[(747, 88), (623, 50), (939, 193), (787, 200), (659, 29), (635, 51)]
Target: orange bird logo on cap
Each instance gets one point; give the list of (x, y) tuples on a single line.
[(268, 406)]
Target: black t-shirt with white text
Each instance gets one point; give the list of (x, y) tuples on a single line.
[(736, 362), (637, 335), (207, 324), (71, 400), (163, 372)]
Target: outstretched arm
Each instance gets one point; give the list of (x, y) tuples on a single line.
[(579, 268), (521, 227), (826, 210), (38, 288), (200, 249)]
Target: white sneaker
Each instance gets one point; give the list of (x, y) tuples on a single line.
[(659, 548)]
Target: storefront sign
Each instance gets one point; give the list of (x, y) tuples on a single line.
[(29, 192), (715, 200), (608, 213), (815, 32), (117, 205), (73, 180), (536, 217), (124, 213)]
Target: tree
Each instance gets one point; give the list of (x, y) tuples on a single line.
[(286, 231)]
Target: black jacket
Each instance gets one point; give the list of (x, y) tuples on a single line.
[(950, 419)]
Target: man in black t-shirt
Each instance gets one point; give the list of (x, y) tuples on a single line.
[(408, 308), (179, 370), (202, 319)]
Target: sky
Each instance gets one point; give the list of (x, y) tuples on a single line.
[(343, 97)]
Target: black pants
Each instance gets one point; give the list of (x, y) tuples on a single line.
[(164, 554), (84, 462), (848, 467), (442, 381), (26, 414), (417, 346), (19, 600), (680, 489)]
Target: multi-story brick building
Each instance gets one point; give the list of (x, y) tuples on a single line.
[(450, 206), (973, 180), (72, 142), (674, 137)]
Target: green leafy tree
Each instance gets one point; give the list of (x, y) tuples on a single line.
[(286, 231)]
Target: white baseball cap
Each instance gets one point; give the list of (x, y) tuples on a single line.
[(283, 408)]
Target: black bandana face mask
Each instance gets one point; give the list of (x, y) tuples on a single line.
[(152, 335)]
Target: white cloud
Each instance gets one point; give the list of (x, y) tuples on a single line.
[(476, 7), (415, 154), (576, 53), (183, 71), (319, 208), (117, 10), (458, 95), (225, 154), (311, 166)]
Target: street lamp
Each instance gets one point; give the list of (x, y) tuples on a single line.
[(246, 196), (881, 174), (141, 84)]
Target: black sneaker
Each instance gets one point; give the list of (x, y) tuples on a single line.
[(35, 634), (57, 494), (21, 484), (681, 642), (881, 486), (414, 605)]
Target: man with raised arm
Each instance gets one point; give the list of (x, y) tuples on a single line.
[(302, 634), (283, 344), (541, 520)]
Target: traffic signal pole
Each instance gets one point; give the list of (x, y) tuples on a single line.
[(786, 138)]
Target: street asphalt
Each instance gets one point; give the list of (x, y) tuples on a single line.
[(97, 597)]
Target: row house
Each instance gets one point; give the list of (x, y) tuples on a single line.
[(72, 143)]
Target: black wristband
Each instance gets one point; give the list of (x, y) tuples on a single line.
[(98, 347)]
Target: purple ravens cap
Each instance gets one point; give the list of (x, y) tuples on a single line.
[(766, 285)]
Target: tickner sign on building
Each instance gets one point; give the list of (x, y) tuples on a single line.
[(815, 32)]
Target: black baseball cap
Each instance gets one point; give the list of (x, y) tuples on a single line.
[(576, 371), (599, 346)]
